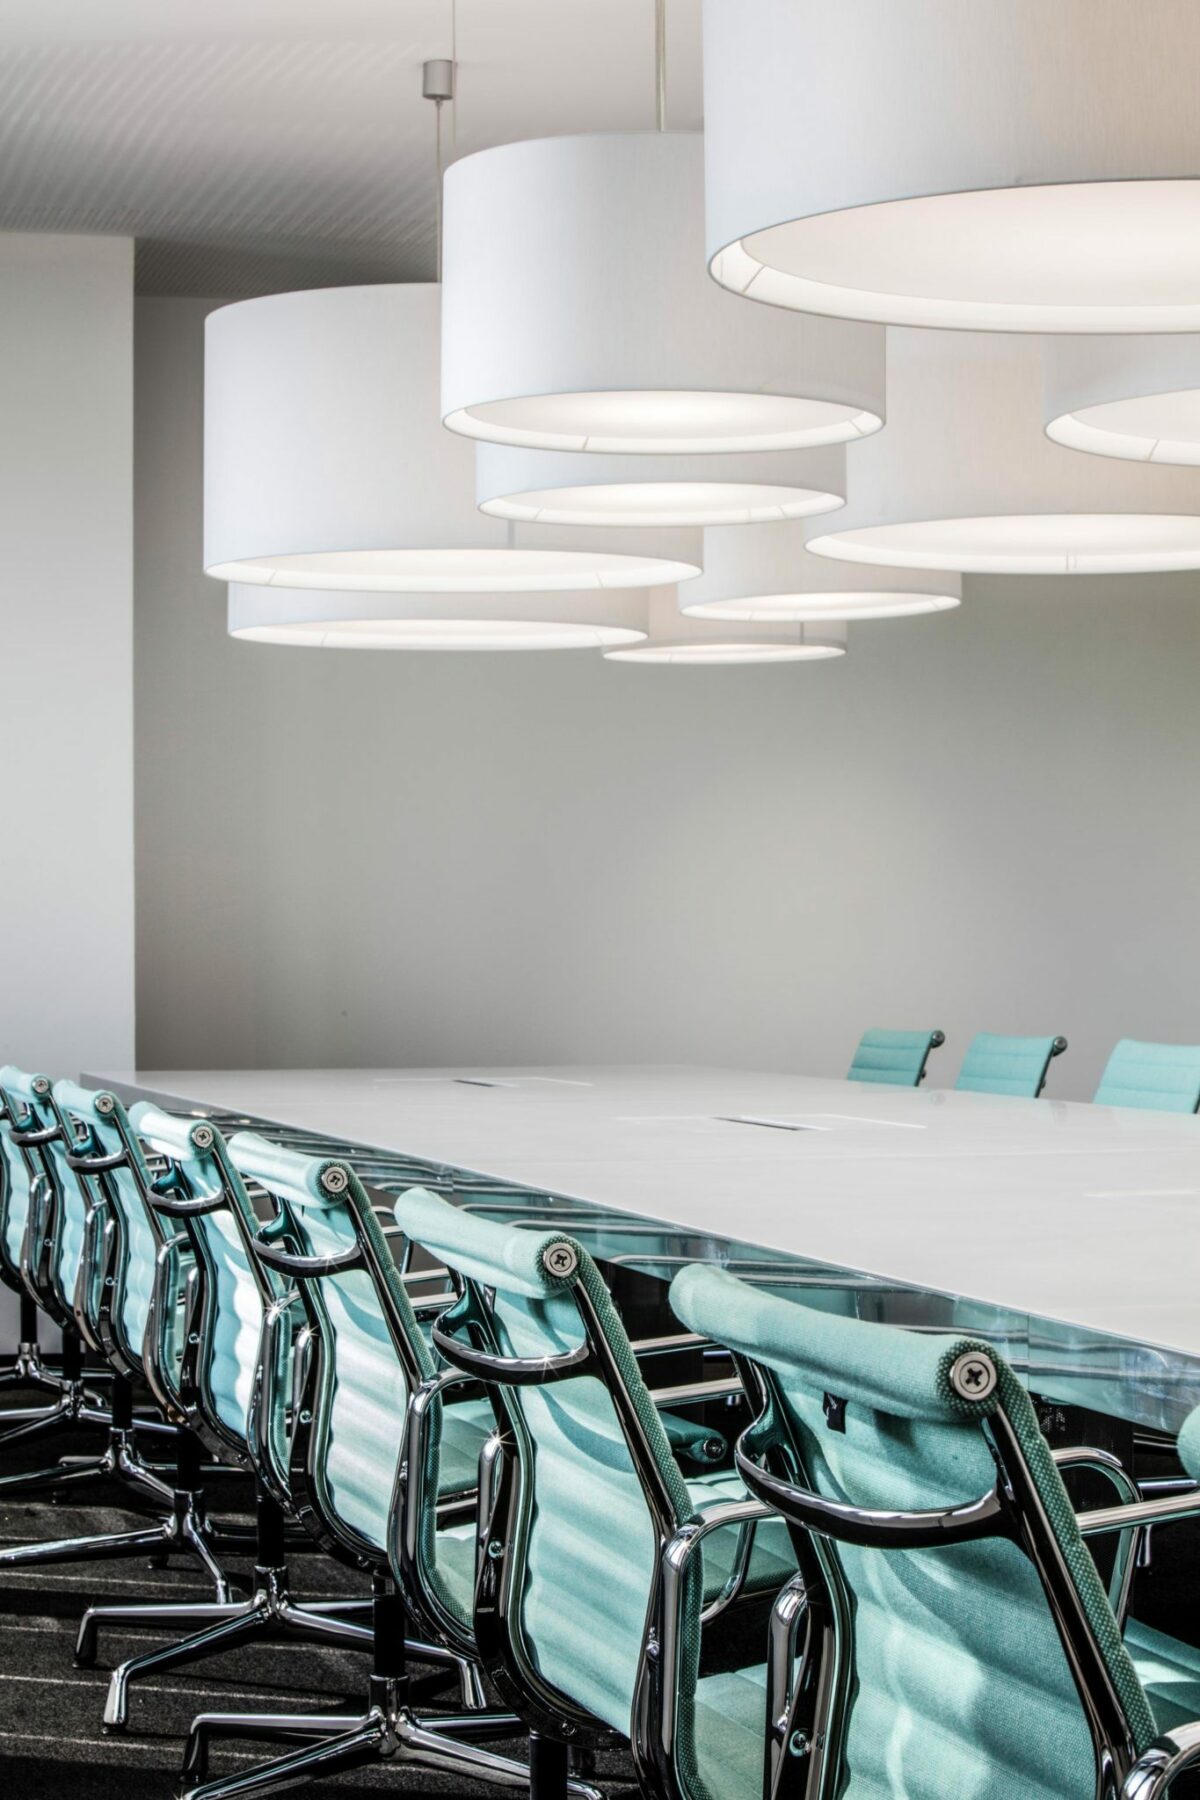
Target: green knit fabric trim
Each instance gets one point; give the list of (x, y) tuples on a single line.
[(1011, 1397)]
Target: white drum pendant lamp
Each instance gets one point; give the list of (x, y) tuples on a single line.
[(1137, 398), (570, 487), (342, 620), (577, 314), (999, 165), (326, 464), (768, 573), (965, 478), (676, 638)]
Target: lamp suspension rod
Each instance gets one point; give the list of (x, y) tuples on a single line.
[(438, 85), (660, 65)]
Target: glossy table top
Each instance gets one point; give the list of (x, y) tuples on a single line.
[(1061, 1211)]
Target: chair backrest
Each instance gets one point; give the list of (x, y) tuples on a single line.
[(369, 1353), (45, 1138), (953, 1590), (590, 1488), (1008, 1065), (895, 1057), (19, 1094), (100, 1155), (202, 1195), (1164, 1077)]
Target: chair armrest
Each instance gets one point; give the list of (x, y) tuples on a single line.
[(655, 1711), (275, 1353), (1156, 1768), (1101, 1519), (1102, 1462), (412, 1504)]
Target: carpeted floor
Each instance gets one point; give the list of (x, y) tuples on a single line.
[(52, 1742), (53, 1745)]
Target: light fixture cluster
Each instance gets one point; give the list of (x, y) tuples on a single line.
[(585, 435)]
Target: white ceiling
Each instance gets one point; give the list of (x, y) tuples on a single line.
[(256, 145)]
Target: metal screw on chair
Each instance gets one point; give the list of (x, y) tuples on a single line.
[(104, 1103), (306, 1417), (495, 1549), (335, 1180), (798, 1744), (560, 1259), (973, 1376), (41, 1085), (202, 1137)]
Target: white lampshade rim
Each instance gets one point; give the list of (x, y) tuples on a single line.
[(724, 652), (482, 570), (737, 266), (725, 503), (925, 544), (1079, 429), (443, 635), (833, 607), (829, 422)]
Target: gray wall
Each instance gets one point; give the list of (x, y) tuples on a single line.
[(989, 820), (66, 609)]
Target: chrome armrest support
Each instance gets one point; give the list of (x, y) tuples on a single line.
[(662, 1643), (411, 1505), (693, 1392), (160, 1317), (1102, 1462), (662, 1346), (274, 1359), (1156, 1768), (95, 1268), (1101, 1519)]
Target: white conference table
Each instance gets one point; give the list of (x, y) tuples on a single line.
[(1081, 1215)]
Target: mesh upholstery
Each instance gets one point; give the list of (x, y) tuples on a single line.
[(590, 1544), (14, 1177), (358, 1434), (897, 1058), (1006, 1065), (235, 1291), (1163, 1077), (961, 1685), (137, 1240)]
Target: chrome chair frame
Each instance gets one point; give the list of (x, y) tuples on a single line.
[(184, 1525), (807, 1714), (389, 1729), (466, 1338), (269, 1612)]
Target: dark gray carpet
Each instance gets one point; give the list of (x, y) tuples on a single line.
[(52, 1742)]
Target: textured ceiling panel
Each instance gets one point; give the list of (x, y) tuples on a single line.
[(268, 144)]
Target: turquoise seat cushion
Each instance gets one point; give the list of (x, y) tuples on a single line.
[(1170, 1673), (14, 1191), (896, 1058), (466, 1424), (456, 1568), (1158, 1077), (730, 1730), (1005, 1065)]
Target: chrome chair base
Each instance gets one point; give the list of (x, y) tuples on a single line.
[(389, 1731)]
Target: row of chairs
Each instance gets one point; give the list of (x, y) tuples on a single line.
[(920, 1614), (1161, 1077)]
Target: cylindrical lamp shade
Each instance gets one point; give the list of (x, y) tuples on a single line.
[(577, 314), (326, 464), (998, 165), (1137, 398), (768, 573), (965, 478), (571, 487), (676, 638), (339, 620)]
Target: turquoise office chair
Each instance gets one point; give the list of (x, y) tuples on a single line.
[(28, 1368), (958, 1638), (1008, 1065), (897, 1058), (236, 1382), (93, 1253), (583, 1501), (364, 1357), (1161, 1077)]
